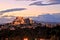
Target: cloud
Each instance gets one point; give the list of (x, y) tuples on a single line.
[(51, 2), (7, 18), (11, 10)]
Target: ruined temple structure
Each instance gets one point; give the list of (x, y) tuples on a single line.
[(22, 20)]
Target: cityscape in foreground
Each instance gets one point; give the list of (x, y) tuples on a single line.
[(29, 19), (27, 29)]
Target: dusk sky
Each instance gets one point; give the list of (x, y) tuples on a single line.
[(33, 10)]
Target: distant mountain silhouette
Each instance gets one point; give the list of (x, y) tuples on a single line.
[(6, 19), (47, 18), (40, 18)]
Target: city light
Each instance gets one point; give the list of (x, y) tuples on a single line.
[(25, 38)]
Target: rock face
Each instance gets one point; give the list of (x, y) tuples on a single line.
[(22, 20), (18, 20)]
